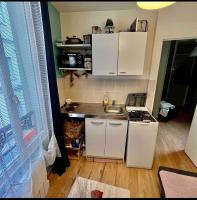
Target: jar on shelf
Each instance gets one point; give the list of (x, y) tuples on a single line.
[(106, 99), (88, 61)]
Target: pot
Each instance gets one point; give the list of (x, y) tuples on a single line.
[(73, 40)]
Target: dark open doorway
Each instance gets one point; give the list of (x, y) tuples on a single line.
[(177, 79)]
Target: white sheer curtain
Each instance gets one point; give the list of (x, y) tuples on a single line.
[(27, 141)]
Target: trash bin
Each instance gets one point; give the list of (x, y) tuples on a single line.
[(167, 111)]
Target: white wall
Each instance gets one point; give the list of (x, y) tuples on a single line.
[(61, 91), (161, 77), (191, 145), (178, 21), (80, 23), (92, 90)]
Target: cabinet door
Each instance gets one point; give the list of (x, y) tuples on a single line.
[(116, 132), (141, 144), (105, 54), (95, 137), (132, 46)]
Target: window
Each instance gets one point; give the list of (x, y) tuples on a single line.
[(21, 118)]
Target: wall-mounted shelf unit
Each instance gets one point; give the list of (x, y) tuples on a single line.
[(77, 46), (83, 49), (76, 69), (73, 152)]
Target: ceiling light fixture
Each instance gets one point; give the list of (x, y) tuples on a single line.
[(153, 5)]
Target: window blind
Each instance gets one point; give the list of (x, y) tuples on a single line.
[(24, 119)]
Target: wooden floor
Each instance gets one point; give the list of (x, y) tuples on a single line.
[(141, 183)]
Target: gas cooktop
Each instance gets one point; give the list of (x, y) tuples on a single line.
[(139, 115)]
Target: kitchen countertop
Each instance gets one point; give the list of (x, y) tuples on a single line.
[(94, 110)]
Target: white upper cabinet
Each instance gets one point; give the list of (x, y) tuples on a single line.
[(132, 47), (105, 54)]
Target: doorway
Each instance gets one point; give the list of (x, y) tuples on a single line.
[(176, 86), (177, 80)]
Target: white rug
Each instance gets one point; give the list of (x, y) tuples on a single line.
[(82, 188)]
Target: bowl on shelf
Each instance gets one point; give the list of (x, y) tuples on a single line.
[(73, 40)]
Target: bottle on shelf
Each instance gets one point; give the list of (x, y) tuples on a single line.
[(106, 99), (88, 61)]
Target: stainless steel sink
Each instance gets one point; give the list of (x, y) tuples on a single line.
[(113, 109)]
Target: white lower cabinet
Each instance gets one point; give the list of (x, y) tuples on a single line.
[(95, 137), (105, 138), (115, 139), (141, 143)]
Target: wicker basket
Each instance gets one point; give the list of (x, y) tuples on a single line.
[(73, 129)]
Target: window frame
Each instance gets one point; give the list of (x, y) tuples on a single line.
[(15, 122)]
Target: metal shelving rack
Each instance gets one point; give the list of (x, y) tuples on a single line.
[(77, 46), (73, 71)]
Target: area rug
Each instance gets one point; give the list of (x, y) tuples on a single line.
[(83, 187), (176, 183)]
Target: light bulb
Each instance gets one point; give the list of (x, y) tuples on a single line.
[(152, 5)]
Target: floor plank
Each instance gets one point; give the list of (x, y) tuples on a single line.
[(170, 145), (109, 174), (97, 171)]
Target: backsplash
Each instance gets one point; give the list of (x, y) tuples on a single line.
[(92, 90)]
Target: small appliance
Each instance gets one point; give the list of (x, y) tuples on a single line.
[(71, 60), (136, 101), (88, 61)]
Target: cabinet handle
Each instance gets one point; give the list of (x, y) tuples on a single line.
[(97, 122), (145, 123), (111, 72), (123, 72), (118, 124)]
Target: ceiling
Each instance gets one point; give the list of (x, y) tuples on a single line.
[(80, 6)]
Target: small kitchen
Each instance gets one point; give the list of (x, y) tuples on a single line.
[(103, 62), (98, 99)]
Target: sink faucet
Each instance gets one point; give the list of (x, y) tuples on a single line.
[(113, 102)]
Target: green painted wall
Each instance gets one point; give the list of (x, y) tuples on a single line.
[(55, 32)]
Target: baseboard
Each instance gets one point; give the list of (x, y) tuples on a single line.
[(103, 160)]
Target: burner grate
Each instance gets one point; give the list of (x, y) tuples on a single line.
[(140, 116)]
